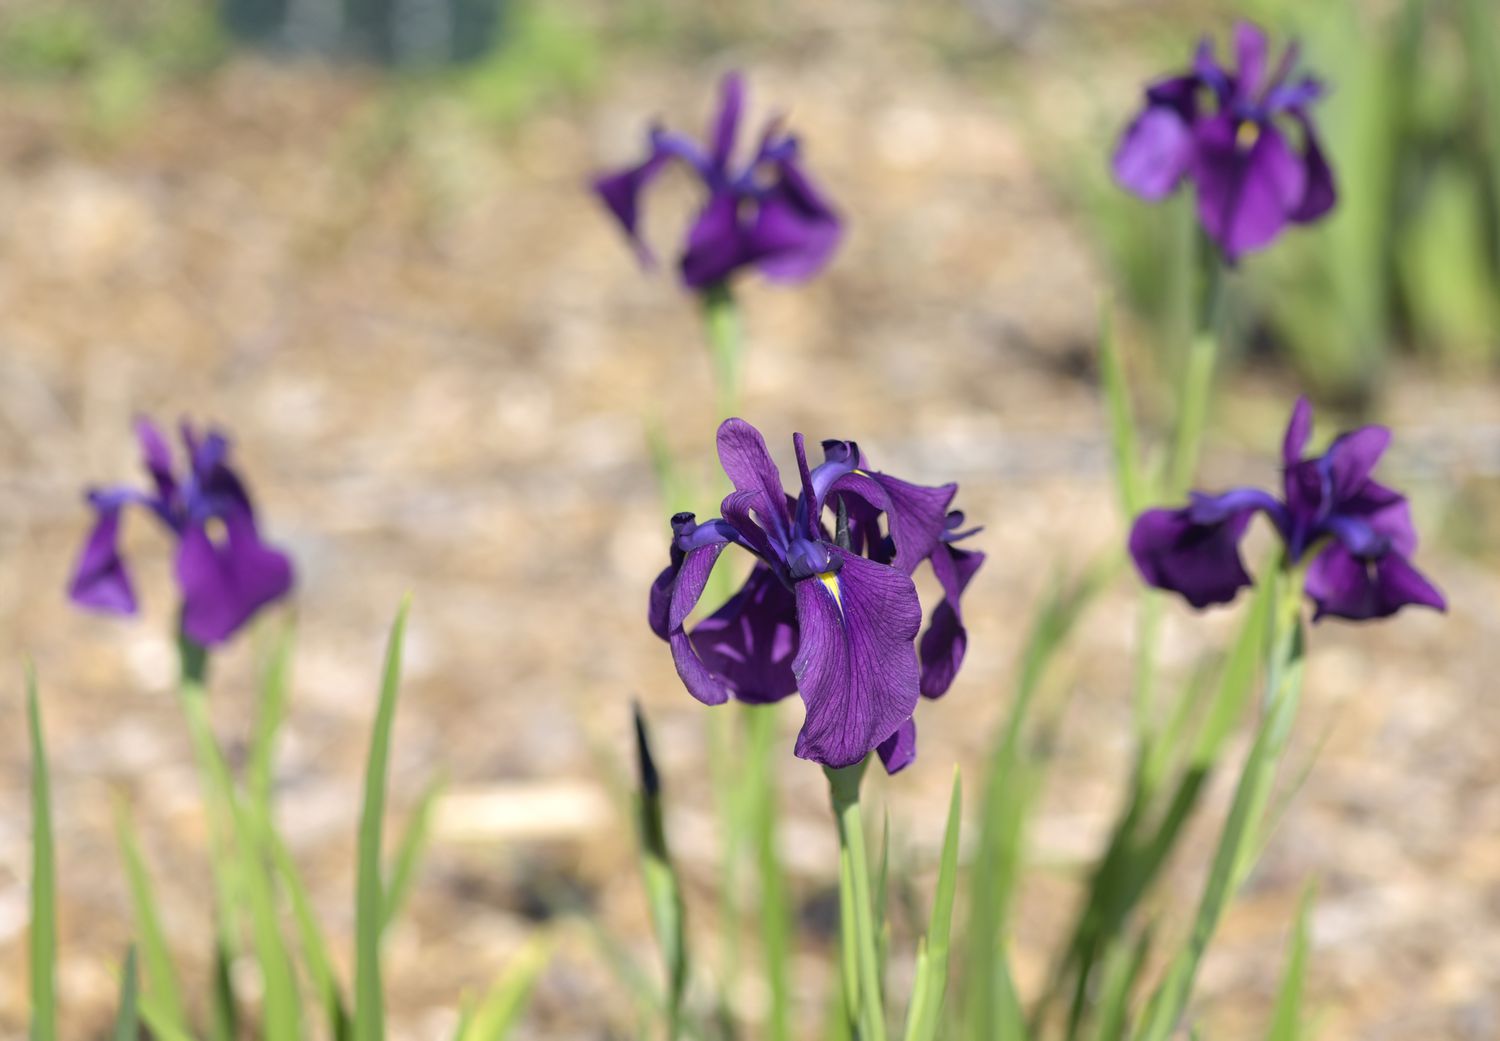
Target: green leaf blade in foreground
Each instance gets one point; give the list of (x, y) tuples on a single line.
[(925, 1015), (1286, 1021), (369, 911), (127, 1019), (500, 1011), (43, 942)]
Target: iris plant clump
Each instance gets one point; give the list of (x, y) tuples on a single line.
[(832, 615), (1244, 137), (763, 212), (225, 571), (1355, 534)]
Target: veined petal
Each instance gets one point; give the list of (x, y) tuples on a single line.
[(100, 579), (748, 464), (946, 639), (750, 641), (1154, 153), (917, 515), (856, 665), (687, 588), (224, 584), (1343, 585), (899, 751)]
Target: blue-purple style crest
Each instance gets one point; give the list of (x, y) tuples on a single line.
[(765, 213), (834, 618), (224, 570), (1358, 532), (1245, 138)]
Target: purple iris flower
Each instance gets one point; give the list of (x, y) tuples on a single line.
[(226, 573), (832, 617), (765, 213), (1359, 532), (1228, 132)]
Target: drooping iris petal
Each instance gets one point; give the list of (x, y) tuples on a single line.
[(100, 579), (621, 193), (223, 584), (1245, 196), (1195, 551), (1343, 585), (946, 639), (899, 751), (1320, 193), (1154, 153), (856, 667), (750, 641), (795, 231), (158, 458), (701, 681), (748, 464)]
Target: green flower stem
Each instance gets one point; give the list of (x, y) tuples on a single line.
[(1197, 375), (775, 912), (721, 319), (857, 910)]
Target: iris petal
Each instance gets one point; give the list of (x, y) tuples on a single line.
[(946, 639), (899, 751), (100, 579), (751, 640), (856, 666), (1154, 153), (223, 584)]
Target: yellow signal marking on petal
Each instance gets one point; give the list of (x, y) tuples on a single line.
[(1247, 134), (831, 582)]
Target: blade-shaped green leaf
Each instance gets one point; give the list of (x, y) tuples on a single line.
[(43, 943), (496, 1016), (1286, 1020), (161, 976), (369, 1009), (127, 1018), (410, 850), (924, 1017)]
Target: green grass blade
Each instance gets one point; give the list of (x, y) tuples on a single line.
[(161, 1027), (1122, 969), (1286, 1020), (43, 941), (497, 1015), (224, 1008), (925, 1015), (776, 912), (161, 976), (282, 1006), (310, 936), (369, 917), (410, 850), (127, 1019), (271, 713)]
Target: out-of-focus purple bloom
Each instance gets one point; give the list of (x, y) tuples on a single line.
[(1359, 532), (1244, 138), (835, 622), (765, 213), (226, 573)]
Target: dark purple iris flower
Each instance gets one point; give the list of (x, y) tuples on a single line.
[(1359, 531), (765, 214), (225, 571), (1228, 132), (835, 619)]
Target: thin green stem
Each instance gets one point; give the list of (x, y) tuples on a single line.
[(721, 320), (1197, 376), (775, 917), (843, 786)]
